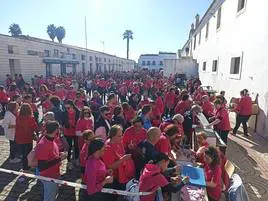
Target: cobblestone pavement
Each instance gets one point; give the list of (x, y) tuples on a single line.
[(249, 155)]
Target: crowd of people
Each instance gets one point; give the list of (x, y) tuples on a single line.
[(116, 127)]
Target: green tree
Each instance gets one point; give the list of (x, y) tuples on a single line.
[(60, 33), (51, 31), (128, 34), (14, 30)]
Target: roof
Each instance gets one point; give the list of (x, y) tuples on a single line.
[(40, 40), (151, 55), (201, 23), (172, 53)]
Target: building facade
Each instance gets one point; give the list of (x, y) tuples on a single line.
[(155, 61), (230, 45), (32, 56)]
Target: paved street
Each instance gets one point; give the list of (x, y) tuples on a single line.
[(250, 156)]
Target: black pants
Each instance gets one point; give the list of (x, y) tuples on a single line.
[(223, 135), (72, 141), (25, 150), (241, 119), (13, 149), (169, 111)]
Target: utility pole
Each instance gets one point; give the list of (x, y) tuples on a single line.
[(103, 45)]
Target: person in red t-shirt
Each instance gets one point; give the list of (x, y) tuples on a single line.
[(134, 134), (207, 106), (169, 102), (85, 122), (221, 121), (116, 159), (213, 173), (202, 147), (244, 110), (70, 118), (164, 144), (3, 99), (184, 105), (144, 101), (26, 126), (152, 178), (49, 159), (129, 112), (88, 135), (160, 103)]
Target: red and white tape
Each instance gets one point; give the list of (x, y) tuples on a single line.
[(72, 184)]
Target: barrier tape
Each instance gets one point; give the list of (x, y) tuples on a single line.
[(73, 184)]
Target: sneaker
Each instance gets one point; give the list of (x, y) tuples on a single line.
[(70, 166), (15, 160)]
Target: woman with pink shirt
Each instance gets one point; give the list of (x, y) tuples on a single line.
[(96, 174)]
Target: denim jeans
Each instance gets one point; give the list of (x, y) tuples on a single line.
[(50, 190)]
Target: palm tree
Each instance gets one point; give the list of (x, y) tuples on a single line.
[(128, 34), (60, 33), (51, 31), (14, 30)]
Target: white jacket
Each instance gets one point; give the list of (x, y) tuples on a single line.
[(9, 119)]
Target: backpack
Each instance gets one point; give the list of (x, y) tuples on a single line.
[(133, 187)]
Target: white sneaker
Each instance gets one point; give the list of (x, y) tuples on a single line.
[(70, 166), (15, 160)]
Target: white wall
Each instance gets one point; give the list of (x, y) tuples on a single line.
[(33, 65), (241, 34), (181, 66)]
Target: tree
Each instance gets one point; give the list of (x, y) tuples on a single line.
[(128, 34), (51, 31), (60, 33), (14, 30)]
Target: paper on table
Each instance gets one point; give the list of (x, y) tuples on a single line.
[(203, 120)]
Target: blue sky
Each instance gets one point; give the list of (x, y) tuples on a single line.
[(158, 25)]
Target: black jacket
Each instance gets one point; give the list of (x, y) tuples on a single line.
[(101, 123)]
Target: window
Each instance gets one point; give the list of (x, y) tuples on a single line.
[(62, 54), (153, 63), (99, 59), (194, 42), (56, 53), (46, 53), (73, 56), (83, 57), (204, 66), (207, 29), (241, 5), (68, 50), (104, 59), (109, 60), (143, 63), (83, 68), (235, 65), (148, 63), (10, 49), (200, 35), (90, 58), (161, 63), (215, 66), (219, 18), (32, 53)]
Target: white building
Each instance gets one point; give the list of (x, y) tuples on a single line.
[(155, 61), (230, 45), (33, 56)]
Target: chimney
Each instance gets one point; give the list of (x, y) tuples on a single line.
[(197, 20)]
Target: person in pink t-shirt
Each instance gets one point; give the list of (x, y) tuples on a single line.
[(96, 174), (152, 178)]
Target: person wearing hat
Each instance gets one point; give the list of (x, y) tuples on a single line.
[(96, 174), (152, 178), (134, 134)]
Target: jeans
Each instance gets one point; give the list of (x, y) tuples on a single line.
[(241, 119), (25, 150), (13, 149), (72, 141), (50, 190)]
